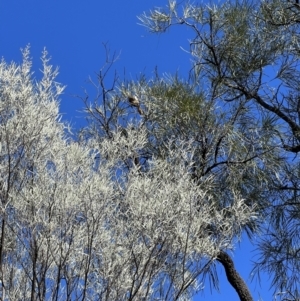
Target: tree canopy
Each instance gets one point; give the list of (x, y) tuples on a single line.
[(110, 215), (247, 54), (155, 191)]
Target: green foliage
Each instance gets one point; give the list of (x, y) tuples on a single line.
[(246, 65)]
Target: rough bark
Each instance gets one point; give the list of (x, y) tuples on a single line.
[(234, 278)]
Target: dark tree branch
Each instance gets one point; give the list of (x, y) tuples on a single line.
[(233, 277)]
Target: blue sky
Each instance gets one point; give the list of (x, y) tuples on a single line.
[(73, 32)]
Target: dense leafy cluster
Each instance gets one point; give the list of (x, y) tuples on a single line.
[(105, 217), (146, 199), (247, 54)]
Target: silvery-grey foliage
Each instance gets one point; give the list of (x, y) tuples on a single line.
[(78, 222)]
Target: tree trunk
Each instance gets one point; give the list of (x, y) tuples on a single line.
[(233, 277)]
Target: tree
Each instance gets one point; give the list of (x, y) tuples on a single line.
[(110, 215), (247, 54), (226, 147)]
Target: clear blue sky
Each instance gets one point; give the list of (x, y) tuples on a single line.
[(73, 33)]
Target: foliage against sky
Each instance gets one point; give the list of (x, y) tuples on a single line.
[(39, 27)]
